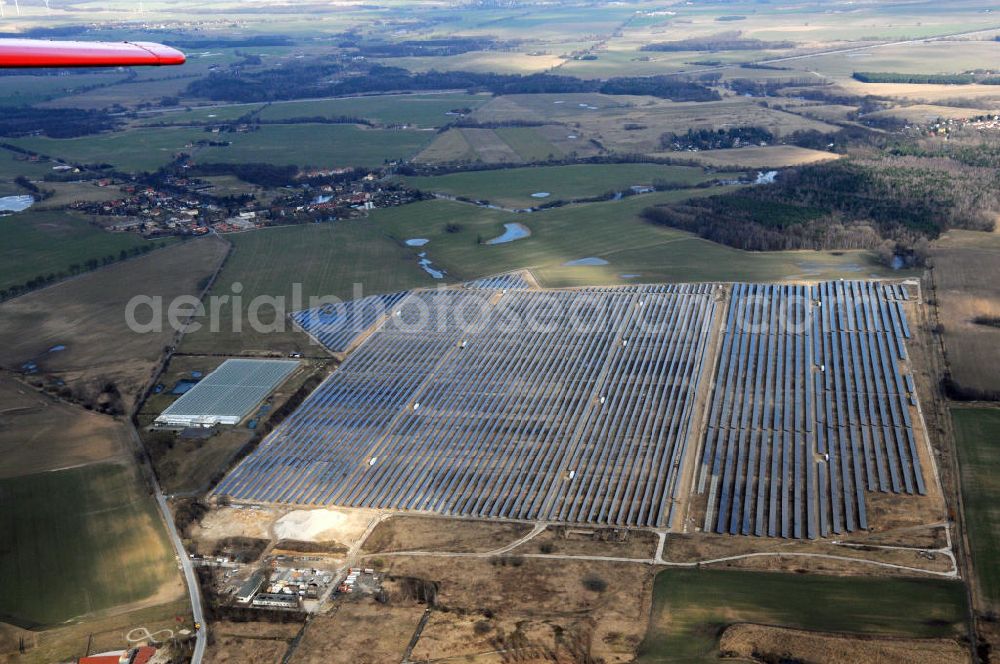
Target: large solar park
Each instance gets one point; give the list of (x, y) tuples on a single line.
[(776, 409)]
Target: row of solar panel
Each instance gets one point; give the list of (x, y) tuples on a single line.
[(338, 325), (579, 418), (233, 389), (809, 410), (507, 281)]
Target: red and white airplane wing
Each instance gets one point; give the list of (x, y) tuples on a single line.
[(26, 53)]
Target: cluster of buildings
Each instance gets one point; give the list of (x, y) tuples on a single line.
[(150, 211), (945, 126), (358, 579), (367, 193), (186, 206), (284, 587)]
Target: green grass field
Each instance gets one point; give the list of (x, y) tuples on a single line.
[(318, 145), (39, 243), (690, 608), (133, 151), (202, 116), (417, 109), (977, 433), (78, 541), (610, 230), (22, 90), (326, 259), (528, 143), (315, 145), (10, 168), (513, 187)]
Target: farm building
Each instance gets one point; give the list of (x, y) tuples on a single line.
[(276, 601), (228, 394), (133, 656), (250, 588)]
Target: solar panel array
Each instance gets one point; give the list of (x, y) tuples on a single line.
[(230, 391), (559, 405), (507, 281), (809, 411), (338, 325)]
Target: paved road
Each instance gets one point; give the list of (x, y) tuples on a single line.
[(190, 578)]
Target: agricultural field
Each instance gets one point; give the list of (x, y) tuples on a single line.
[(134, 151), (506, 145), (325, 259), (195, 115), (319, 145), (490, 147), (635, 250), (422, 110), (88, 539), (937, 57), (926, 113), (85, 316), (328, 259), (22, 90), (39, 433), (485, 61), (65, 193), (977, 435), (771, 156), (37, 243), (11, 167), (629, 124), (691, 606), (98, 633), (451, 146), (125, 94), (926, 93), (513, 188), (966, 271)]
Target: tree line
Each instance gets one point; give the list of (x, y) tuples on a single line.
[(439, 47), (88, 265), (301, 81), (54, 122), (722, 42), (714, 139), (936, 79), (850, 204)]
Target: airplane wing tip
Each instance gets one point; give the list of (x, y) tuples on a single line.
[(31, 53)]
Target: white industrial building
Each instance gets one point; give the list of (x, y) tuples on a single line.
[(228, 394)]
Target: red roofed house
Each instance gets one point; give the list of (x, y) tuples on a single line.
[(135, 656)]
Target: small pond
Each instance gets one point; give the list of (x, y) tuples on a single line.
[(583, 262), (513, 231), (15, 203)]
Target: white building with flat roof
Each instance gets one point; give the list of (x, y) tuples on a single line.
[(228, 394)]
